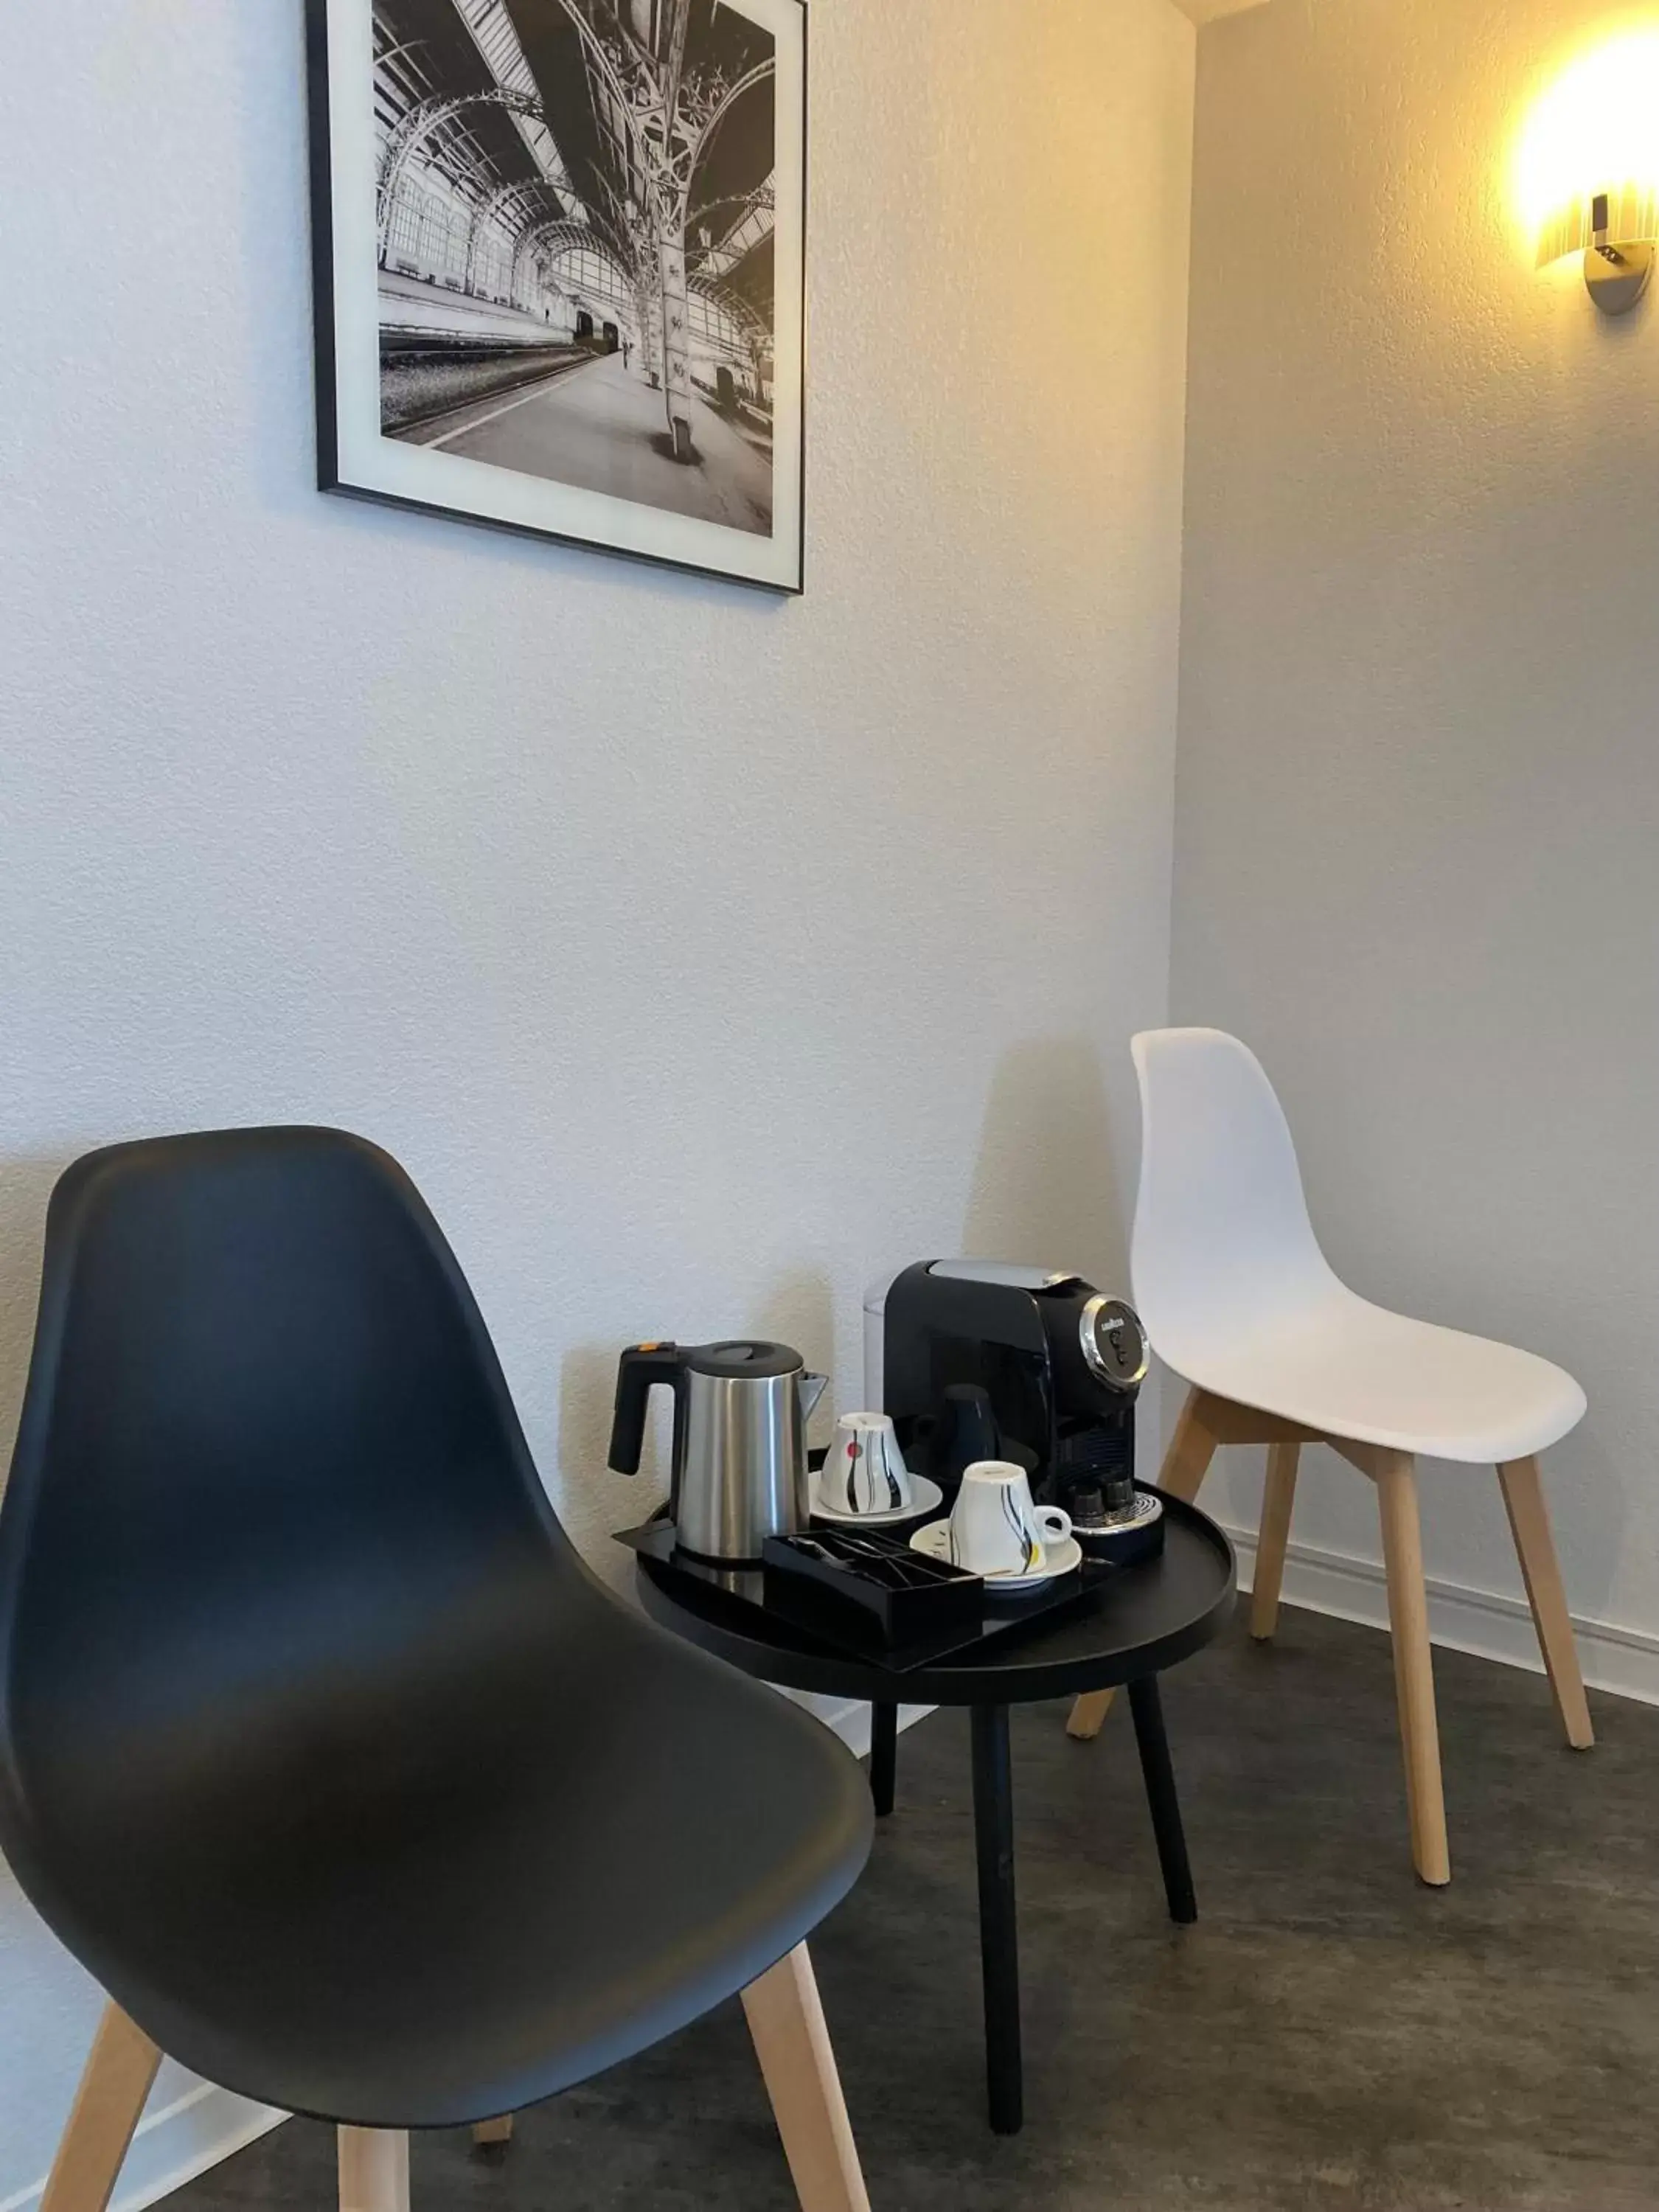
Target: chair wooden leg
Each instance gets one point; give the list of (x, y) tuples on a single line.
[(1530, 1523), (793, 2045), (1192, 1447), (1088, 1714), (373, 2170), (1413, 1665), (1185, 1466), (493, 2136), (1278, 1500), (117, 2078)]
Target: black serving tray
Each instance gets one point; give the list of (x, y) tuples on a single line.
[(842, 1627)]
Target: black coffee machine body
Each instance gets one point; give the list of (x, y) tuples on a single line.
[(982, 1360)]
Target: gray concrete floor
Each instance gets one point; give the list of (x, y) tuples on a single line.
[(1330, 2035)]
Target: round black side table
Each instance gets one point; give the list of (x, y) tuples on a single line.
[(1128, 1632)]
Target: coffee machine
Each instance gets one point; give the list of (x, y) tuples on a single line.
[(978, 1359)]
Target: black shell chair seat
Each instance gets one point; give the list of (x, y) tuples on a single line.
[(319, 1747)]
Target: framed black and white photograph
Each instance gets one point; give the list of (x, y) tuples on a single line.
[(560, 255)]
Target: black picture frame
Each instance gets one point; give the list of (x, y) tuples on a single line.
[(495, 314)]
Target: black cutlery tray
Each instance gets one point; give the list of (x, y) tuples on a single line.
[(813, 1607), (885, 1593)]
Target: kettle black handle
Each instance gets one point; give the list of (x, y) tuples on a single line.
[(637, 1369)]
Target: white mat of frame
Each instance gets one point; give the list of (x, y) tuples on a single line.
[(851, 1724)]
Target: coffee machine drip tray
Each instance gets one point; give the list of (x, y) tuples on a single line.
[(1130, 1538)]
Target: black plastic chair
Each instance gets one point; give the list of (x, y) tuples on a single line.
[(319, 1747)]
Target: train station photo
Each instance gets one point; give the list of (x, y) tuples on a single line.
[(574, 245)]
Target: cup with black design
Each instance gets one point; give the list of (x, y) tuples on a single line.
[(996, 1529), (865, 1474)]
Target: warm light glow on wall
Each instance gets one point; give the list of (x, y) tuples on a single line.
[(1596, 129)]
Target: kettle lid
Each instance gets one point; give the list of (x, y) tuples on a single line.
[(743, 1360)]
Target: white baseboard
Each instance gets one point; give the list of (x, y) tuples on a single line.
[(851, 1722), (173, 2146), (1623, 1660)]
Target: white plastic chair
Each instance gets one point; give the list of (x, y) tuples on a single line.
[(1240, 1301)]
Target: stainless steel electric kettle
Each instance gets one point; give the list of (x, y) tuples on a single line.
[(739, 1455)]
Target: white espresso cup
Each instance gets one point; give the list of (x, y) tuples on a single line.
[(995, 1528), (864, 1470)]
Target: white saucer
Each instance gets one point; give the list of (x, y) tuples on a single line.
[(928, 1499), (1061, 1559)]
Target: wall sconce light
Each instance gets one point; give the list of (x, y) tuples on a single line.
[(1587, 169), (1616, 232), (1616, 275)]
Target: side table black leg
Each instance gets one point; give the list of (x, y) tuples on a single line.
[(999, 1933), (884, 1757), (1148, 1709)]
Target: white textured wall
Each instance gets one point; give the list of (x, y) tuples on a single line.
[(1418, 788), (700, 955)]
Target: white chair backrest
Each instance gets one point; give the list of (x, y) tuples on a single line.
[(1222, 1237)]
